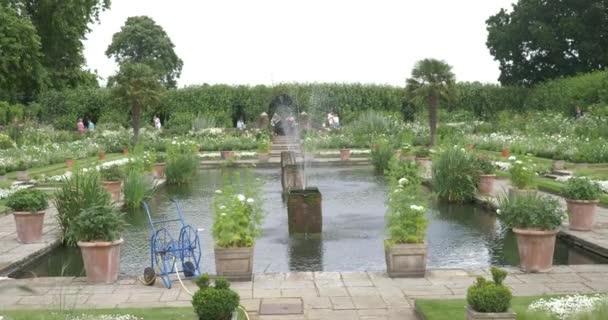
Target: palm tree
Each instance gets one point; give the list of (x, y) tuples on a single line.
[(432, 80), (136, 85)]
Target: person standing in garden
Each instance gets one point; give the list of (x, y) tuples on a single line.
[(336, 120), (157, 124), (579, 112), (91, 125), (80, 125), (330, 120)]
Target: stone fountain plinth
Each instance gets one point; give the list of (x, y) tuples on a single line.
[(292, 173), (304, 210)]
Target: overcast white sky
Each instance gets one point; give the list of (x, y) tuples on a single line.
[(271, 41)]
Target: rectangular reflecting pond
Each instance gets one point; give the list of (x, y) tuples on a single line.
[(459, 236)]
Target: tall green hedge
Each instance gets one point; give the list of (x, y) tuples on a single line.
[(349, 100)]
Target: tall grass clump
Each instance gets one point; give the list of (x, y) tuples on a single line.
[(455, 175), (136, 188), (182, 163), (81, 191), (202, 122), (381, 155)]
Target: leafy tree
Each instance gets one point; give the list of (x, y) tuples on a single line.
[(62, 26), (141, 40), (136, 86), (540, 40), (21, 71), (432, 80)]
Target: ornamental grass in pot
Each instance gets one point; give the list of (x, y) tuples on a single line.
[(28, 207), (381, 155), (21, 173), (423, 158), (217, 302), (522, 173), (487, 176), (405, 249), (238, 217), (264, 150), (455, 175), (535, 220), (582, 196), (490, 300), (97, 231), (159, 166), (112, 177)]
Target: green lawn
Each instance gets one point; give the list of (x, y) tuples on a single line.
[(147, 314), (455, 309)]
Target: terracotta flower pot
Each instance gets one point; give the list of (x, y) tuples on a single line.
[(234, 264), (505, 152), (470, 146), (69, 163), (406, 260), (101, 260), (344, 154), (373, 146), (29, 226), (198, 149), (514, 192), (125, 150), (226, 155), (263, 157), (486, 183), (581, 214), (536, 249), (23, 176), (474, 315), (159, 170), (113, 187), (102, 156)]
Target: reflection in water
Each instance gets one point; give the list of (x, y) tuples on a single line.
[(353, 229)]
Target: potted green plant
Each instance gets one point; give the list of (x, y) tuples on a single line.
[(112, 180), (405, 249), (522, 175), (345, 150), (582, 196), (423, 157), (102, 152), (407, 153), (97, 230), (69, 162), (238, 216), (490, 300), (217, 302), (487, 176), (159, 166), (264, 151), (535, 220), (227, 152), (21, 169), (28, 207)]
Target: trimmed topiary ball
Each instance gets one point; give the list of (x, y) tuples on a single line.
[(214, 303), (490, 296)]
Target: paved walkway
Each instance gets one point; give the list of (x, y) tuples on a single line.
[(595, 240), (323, 295)]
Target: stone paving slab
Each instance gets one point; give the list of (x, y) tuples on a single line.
[(321, 295)]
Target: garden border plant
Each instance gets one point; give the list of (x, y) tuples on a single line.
[(488, 300), (582, 196)]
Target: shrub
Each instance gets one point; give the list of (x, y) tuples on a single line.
[(136, 188), (238, 212), (28, 200), (487, 296), (82, 190), (111, 173), (181, 168), (97, 223), (214, 303), (202, 122), (6, 142), (581, 188), (381, 155), (455, 175), (485, 166), (531, 211), (522, 173)]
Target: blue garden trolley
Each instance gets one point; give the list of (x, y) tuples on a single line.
[(170, 256)]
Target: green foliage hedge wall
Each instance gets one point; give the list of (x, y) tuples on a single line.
[(349, 100)]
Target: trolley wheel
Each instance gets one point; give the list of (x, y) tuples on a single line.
[(149, 276), (189, 269), (190, 245)]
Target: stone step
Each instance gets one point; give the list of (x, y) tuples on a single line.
[(562, 173)]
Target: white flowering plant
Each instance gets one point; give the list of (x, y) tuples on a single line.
[(238, 211), (405, 220), (523, 173), (570, 307)]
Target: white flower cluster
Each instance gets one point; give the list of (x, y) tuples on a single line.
[(103, 317), (4, 193), (565, 307), (417, 208)]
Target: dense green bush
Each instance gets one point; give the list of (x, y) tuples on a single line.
[(581, 188), (214, 303), (381, 155), (455, 175), (82, 190), (182, 163), (486, 296), (97, 223), (136, 188), (6, 142), (112, 173), (531, 211), (28, 200)]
